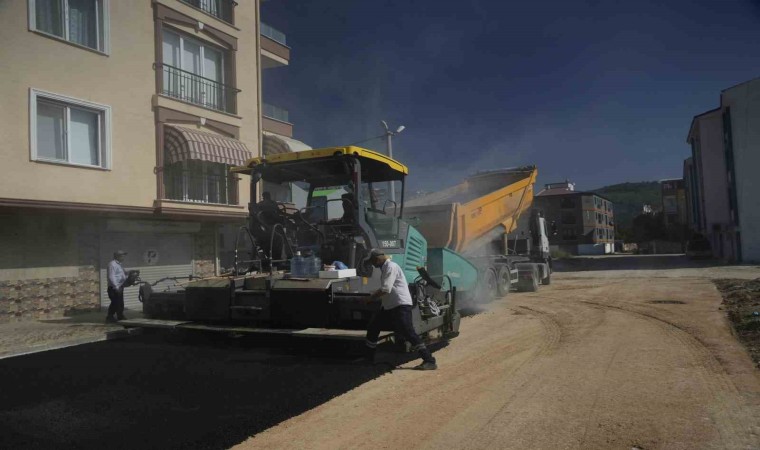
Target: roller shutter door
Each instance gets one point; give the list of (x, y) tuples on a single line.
[(155, 255)]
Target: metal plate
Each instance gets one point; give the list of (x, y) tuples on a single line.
[(152, 323)]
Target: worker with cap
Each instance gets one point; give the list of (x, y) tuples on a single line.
[(396, 308), (117, 276)]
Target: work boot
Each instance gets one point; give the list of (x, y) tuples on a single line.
[(121, 318), (426, 365), (110, 319)]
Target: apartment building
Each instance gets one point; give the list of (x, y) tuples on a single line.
[(119, 123), (673, 198), (584, 221), (723, 186)]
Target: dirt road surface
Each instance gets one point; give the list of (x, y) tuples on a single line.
[(600, 359)]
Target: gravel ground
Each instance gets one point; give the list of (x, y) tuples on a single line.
[(19, 338)]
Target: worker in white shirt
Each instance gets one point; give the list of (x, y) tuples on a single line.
[(396, 308), (117, 276)]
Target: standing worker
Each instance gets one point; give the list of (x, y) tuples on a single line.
[(396, 307), (117, 277)]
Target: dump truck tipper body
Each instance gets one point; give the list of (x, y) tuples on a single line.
[(476, 218)]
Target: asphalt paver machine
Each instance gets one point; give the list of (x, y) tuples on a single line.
[(348, 209)]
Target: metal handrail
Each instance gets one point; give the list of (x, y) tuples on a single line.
[(253, 247), (221, 9), (193, 88)]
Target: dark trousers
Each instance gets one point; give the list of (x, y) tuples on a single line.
[(117, 302), (401, 319)]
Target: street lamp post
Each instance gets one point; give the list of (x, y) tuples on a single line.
[(388, 135)]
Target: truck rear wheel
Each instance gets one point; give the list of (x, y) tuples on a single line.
[(503, 281), (528, 283), (546, 269), (491, 284), (533, 285)]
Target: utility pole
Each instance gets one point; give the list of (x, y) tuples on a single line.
[(388, 135)]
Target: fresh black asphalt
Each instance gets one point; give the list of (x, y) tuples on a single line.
[(159, 391)]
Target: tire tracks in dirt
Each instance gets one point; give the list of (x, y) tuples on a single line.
[(552, 334), (733, 427)]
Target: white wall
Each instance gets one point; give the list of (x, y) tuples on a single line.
[(744, 101)]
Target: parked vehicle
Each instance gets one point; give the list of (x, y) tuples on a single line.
[(698, 247)]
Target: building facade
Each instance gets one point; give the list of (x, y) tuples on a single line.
[(120, 121), (723, 188), (673, 198), (584, 221)]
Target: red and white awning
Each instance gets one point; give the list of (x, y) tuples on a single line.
[(182, 144)]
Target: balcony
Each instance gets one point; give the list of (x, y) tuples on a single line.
[(200, 182), (274, 48), (273, 34), (221, 9), (189, 87), (276, 120)]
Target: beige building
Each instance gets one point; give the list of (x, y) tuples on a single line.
[(119, 122), (584, 221)]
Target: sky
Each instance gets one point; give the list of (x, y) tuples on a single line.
[(595, 91)]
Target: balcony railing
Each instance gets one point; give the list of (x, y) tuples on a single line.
[(276, 113), (221, 9), (186, 186), (273, 34), (192, 88)]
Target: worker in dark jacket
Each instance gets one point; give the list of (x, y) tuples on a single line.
[(117, 277), (396, 307)]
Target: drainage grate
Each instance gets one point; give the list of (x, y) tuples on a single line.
[(668, 302)]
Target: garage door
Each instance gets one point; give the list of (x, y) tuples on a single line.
[(155, 255)]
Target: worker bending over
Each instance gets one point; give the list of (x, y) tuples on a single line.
[(396, 307)]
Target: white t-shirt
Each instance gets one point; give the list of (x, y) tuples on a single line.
[(116, 274), (393, 282)]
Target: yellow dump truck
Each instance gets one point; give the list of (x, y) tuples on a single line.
[(489, 219)]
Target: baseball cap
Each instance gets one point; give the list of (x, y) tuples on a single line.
[(376, 252), (119, 253)]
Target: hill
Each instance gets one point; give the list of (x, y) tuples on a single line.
[(628, 199)]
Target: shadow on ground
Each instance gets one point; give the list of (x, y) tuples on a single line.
[(188, 392), (631, 262)]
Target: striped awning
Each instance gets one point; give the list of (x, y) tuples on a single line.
[(182, 144), (275, 144)]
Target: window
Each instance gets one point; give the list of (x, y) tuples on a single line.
[(568, 218), (82, 22), (69, 131), (194, 72), (200, 182), (568, 234), (567, 203)]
